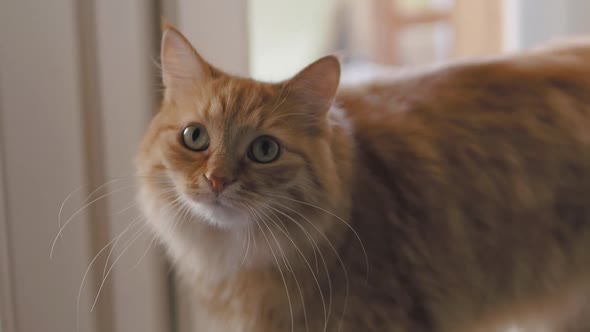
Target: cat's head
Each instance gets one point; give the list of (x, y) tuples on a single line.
[(228, 154)]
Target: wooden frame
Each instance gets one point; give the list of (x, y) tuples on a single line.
[(391, 21), (6, 284), (127, 38), (477, 26)]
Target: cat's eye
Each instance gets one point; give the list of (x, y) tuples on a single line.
[(195, 137), (264, 149)]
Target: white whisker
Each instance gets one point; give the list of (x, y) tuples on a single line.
[(177, 203), (77, 213), (327, 313), (337, 217), (330, 245), (90, 265), (246, 239), (144, 253), (86, 200), (142, 229), (106, 263), (125, 209), (279, 267)]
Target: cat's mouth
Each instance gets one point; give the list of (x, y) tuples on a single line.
[(213, 199), (218, 202), (217, 209)]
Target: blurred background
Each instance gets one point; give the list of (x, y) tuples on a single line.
[(79, 82)]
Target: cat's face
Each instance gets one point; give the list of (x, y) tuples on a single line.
[(222, 154), (226, 151)]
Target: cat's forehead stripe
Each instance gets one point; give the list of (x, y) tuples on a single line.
[(241, 101)]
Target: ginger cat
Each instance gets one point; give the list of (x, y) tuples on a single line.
[(454, 199)]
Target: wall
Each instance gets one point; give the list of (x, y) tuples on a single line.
[(285, 36), (543, 20)]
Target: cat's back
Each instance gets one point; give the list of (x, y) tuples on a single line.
[(512, 104), (496, 83)]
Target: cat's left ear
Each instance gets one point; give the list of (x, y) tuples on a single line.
[(316, 85), (182, 67)]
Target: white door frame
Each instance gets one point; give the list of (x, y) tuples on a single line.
[(42, 162), (75, 95)]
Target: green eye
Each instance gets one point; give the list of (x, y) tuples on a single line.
[(264, 149), (195, 137)]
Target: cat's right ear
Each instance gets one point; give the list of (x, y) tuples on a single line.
[(182, 67)]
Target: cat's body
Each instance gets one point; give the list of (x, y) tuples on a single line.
[(483, 173), (451, 200)]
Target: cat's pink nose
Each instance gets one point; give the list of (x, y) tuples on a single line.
[(217, 183)]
